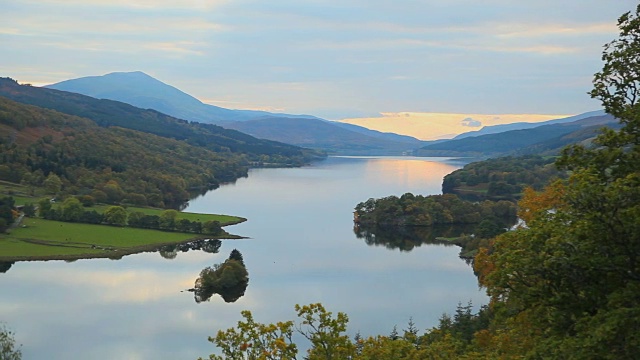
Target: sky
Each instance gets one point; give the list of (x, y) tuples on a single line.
[(370, 62)]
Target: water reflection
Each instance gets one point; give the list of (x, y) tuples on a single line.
[(5, 266), (406, 238), (211, 246), (229, 279)]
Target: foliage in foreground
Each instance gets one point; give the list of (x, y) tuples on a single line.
[(8, 348), (566, 286), (326, 336)]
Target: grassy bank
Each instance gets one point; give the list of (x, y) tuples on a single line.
[(39, 239)]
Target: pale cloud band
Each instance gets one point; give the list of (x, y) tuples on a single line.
[(433, 126), (346, 58)]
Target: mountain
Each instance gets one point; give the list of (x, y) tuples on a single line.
[(143, 91), (542, 139), (494, 129), (381, 135), (107, 113), (326, 135)]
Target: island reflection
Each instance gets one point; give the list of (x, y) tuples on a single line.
[(406, 238), (170, 252), (229, 279)]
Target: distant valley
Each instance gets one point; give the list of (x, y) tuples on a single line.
[(141, 90)]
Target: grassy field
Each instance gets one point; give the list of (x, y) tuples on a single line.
[(40, 239), (223, 219), (20, 193)]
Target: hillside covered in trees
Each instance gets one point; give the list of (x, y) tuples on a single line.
[(108, 113), (501, 178), (117, 153), (418, 210), (71, 155)]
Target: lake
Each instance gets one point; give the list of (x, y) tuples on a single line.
[(301, 249)]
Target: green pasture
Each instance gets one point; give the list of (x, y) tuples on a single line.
[(39, 239), (223, 219)]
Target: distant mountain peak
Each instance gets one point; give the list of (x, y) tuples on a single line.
[(143, 90)]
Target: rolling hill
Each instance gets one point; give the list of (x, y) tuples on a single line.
[(107, 113), (494, 129), (321, 134), (141, 90), (548, 139)]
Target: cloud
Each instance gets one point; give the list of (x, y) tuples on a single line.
[(470, 122), (431, 126)]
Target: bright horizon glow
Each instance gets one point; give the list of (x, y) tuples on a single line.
[(331, 59), (434, 126)]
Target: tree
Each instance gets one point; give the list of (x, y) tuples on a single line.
[(72, 209), (236, 255), (135, 219), (168, 219), (325, 333), (115, 215), (6, 212), (113, 191), (567, 285), (252, 340), (184, 225), (52, 184), (211, 227), (44, 206), (87, 200), (8, 349), (29, 210)]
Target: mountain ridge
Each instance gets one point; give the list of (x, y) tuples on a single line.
[(113, 113), (550, 137), (495, 129), (142, 90)]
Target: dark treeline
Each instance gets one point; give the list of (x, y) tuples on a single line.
[(7, 212), (419, 210), (73, 211), (501, 178)]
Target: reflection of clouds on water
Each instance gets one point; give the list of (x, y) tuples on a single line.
[(303, 250), (126, 286)]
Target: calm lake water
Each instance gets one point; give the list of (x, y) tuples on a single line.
[(302, 249)]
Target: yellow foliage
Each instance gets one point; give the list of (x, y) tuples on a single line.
[(534, 204)]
